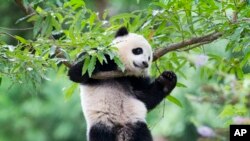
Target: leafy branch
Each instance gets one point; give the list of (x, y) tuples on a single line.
[(30, 11), (159, 52)]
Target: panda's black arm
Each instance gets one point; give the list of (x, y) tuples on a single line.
[(154, 92), (75, 72)]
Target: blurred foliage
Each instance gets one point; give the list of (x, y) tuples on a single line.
[(213, 78), (42, 115)]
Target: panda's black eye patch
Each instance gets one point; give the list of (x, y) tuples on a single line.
[(137, 51)]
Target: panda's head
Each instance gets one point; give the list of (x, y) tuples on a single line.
[(134, 51)]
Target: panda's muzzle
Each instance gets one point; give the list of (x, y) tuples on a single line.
[(143, 65)]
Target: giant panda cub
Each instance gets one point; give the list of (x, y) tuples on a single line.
[(115, 109)]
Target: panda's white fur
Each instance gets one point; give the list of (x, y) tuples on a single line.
[(108, 102)]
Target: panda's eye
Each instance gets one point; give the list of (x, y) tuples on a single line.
[(137, 51)]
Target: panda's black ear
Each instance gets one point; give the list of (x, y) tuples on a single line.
[(121, 32)]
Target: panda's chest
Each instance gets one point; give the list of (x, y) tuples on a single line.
[(111, 103)]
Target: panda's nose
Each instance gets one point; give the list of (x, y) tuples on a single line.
[(145, 64)]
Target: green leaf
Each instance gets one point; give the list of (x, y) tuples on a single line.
[(180, 65), (85, 65), (59, 17), (237, 34), (111, 54), (0, 80), (56, 24), (47, 28), (239, 73), (70, 90), (37, 26), (39, 10), (21, 39), (101, 57), (33, 18), (181, 85), (227, 111), (119, 63), (74, 3), (91, 66), (174, 100), (232, 110), (92, 18), (245, 59)]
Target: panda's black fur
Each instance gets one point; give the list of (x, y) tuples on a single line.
[(115, 109), (121, 32)]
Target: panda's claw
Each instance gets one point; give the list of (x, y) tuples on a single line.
[(167, 80), (169, 75)]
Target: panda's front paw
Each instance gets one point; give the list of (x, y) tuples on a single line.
[(167, 80)]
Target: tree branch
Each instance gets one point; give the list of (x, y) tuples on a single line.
[(196, 41), (196, 45), (206, 38)]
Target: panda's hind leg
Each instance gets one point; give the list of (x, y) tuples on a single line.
[(101, 132), (141, 132), (130, 132)]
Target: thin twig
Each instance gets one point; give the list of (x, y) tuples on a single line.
[(16, 29), (5, 33)]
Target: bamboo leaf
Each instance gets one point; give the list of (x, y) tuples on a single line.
[(21, 39), (119, 63), (101, 57), (174, 100), (55, 24), (239, 73), (85, 65), (47, 28), (181, 85), (70, 90), (37, 26), (91, 66)]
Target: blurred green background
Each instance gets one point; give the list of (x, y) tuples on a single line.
[(44, 114)]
